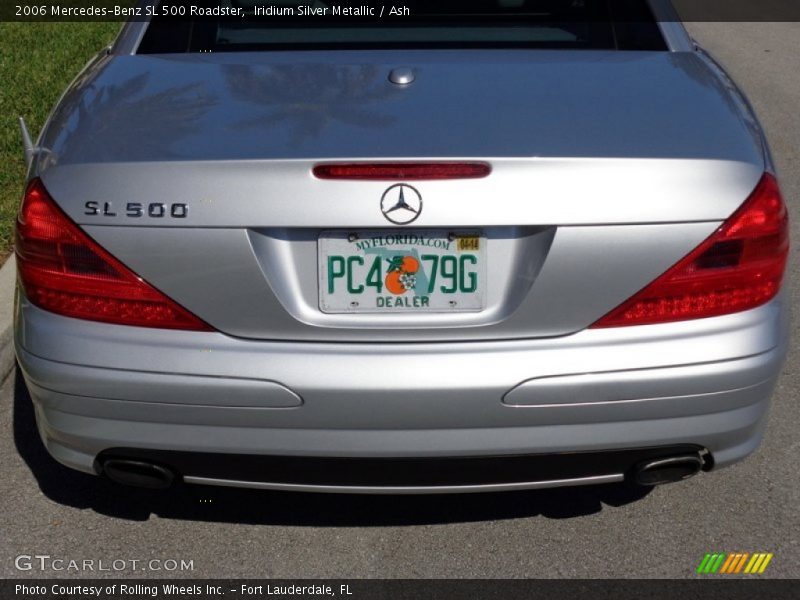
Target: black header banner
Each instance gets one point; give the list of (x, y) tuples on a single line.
[(385, 11)]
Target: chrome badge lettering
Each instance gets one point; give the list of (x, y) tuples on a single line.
[(135, 210)]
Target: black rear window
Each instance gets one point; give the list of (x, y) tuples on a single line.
[(258, 25)]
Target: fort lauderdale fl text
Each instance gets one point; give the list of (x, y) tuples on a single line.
[(60, 589)]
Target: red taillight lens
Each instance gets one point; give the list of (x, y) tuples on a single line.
[(63, 270), (738, 268), (402, 171)]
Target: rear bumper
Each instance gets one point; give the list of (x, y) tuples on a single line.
[(99, 388), (404, 475)]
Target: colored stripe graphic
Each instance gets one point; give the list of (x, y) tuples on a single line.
[(717, 562), (734, 562), (702, 567), (728, 563), (743, 557), (709, 564), (755, 562), (764, 564)]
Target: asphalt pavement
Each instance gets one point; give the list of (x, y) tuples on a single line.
[(583, 532)]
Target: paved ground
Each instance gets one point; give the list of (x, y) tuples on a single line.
[(605, 532)]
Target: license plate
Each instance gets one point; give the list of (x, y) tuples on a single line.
[(402, 271)]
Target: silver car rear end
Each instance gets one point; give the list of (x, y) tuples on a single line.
[(607, 168)]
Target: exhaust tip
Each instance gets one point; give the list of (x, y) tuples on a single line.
[(137, 473), (667, 470)]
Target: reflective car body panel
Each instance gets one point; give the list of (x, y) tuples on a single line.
[(96, 387), (607, 168), (314, 105), (239, 154)]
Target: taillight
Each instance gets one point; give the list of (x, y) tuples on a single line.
[(64, 271), (738, 268), (403, 171)]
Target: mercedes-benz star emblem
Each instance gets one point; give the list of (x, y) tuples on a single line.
[(401, 204)]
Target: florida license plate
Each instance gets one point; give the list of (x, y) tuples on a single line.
[(402, 271)]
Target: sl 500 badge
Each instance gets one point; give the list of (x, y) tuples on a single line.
[(154, 210)]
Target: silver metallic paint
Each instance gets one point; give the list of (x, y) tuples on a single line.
[(244, 106), (449, 489), (262, 283), (451, 407), (592, 195)]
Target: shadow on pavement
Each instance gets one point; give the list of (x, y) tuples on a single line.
[(216, 504)]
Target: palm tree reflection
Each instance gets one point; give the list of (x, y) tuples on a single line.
[(310, 98), (145, 122)]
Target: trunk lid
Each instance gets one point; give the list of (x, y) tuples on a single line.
[(498, 103), (608, 167)]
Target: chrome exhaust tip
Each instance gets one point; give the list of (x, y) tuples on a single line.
[(137, 473), (667, 470)]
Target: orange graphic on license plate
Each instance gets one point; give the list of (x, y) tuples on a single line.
[(402, 274)]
